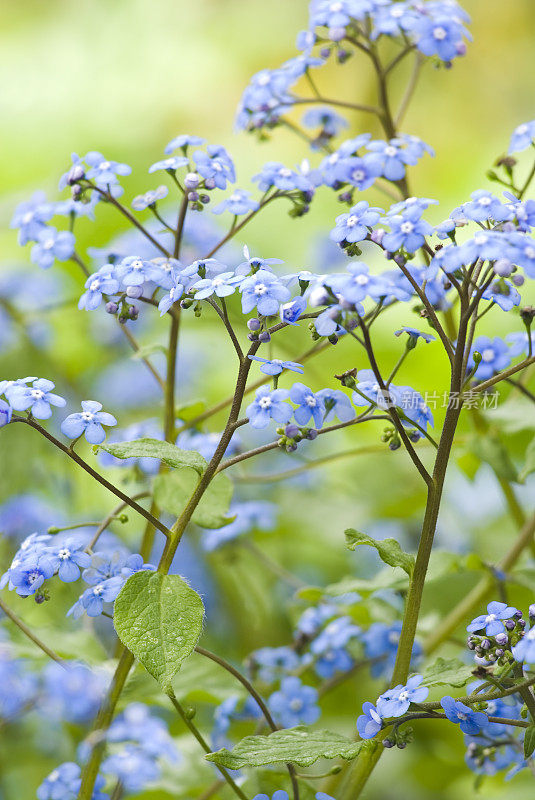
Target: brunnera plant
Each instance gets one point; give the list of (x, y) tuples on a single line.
[(471, 265)]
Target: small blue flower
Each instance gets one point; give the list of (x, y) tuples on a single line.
[(215, 165), (393, 19), (254, 263), (88, 422), (150, 198), (415, 333), (390, 158), (332, 662), (308, 405), (67, 560), (484, 206), (99, 283), (63, 783), (276, 174), (337, 404), (73, 691), (441, 36), (522, 137), (325, 118), (240, 202), (408, 230), (495, 356), (524, 650), (5, 413), (370, 721), (290, 312), (469, 721), (52, 244), (93, 599), (31, 217), (336, 634), (503, 293), (356, 283), (29, 574), (268, 405), (265, 291), (170, 164), (294, 703), (353, 226), (133, 767), (221, 285), (104, 173), (381, 644), (271, 662), (182, 141), (275, 366), (518, 343), (38, 398), (135, 271), (360, 172), (395, 702)]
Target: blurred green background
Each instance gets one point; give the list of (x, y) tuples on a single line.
[(124, 77)]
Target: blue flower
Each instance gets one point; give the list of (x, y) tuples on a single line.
[(522, 137), (337, 14), (5, 413), (63, 783), (390, 158), (275, 366), (441, 36), (503, 293), (134, 271), (73, 691), (395, 702), (408, 230), (337, 404), (104, 173), (133, 767), (182, 141), (137, 724), (221, 285), (88, 422), (239, 202), (495, 356), (99, 283), (29, 574), (370, 722), (360, 172), (393, 19), (170, 164), (67, 559), (335, 634), (215, 166), (519, 343), (325, 118), (483, 206), (353, 226), (52, 244), (249, 516), (294, 703), (415, 334), (356, 283), (265, 291), (524, 650), (166, 271), (308, 405), (255, 263), (93, 599), (38, 398), (469, 721), (290, 312), (276, 174), (332, 662), (381, 644), (272, 661), (268, 405), (150, 198), (31, 217)]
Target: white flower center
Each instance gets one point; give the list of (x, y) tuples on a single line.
[(352, 220), (37, 394), (440, 33), (484, 201), (481, 238), (98, 589), (137, 264), (336, 7), (391, 151), (397, 11), (260, 288), (487, 354), (530, 251), (362, 280), (263, 80), (531, 635), (87, 416), (265, 402), (296, 704), (64, 554), (311, 401), (407, 227), (48, 245), (94, 286), (104, 165), (490, 617), (284, 172), (28, 216), (403, 696), (461, 716), (522, 129), (358, 175), (218, 282)]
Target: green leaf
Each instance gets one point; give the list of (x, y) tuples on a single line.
[(299, 746), (154, 448), (529, 465), (529, 741), (389, 550), (513, 416), (490, 449), (189, 411), (447, 672), (159, 618), (173, 490)]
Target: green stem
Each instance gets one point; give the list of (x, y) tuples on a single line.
[(29, 634)]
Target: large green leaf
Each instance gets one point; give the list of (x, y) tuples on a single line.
[(448, 672), (173, 490), (154, 448), (159, 618), (389, 550), (299, 746), (529, 741)]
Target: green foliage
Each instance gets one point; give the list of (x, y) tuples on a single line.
[(159, 618), (447, 672), (389, 550), (529, 741), (173, 490), (300, 746), (490, 449), (154, 448), (529, 464)]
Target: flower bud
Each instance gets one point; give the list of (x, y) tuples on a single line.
[(192, 180), (134, 292), (254, 324), (291, 430), (264, 337), (111, 307)]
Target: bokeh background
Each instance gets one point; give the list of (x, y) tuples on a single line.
[(124, 77)]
